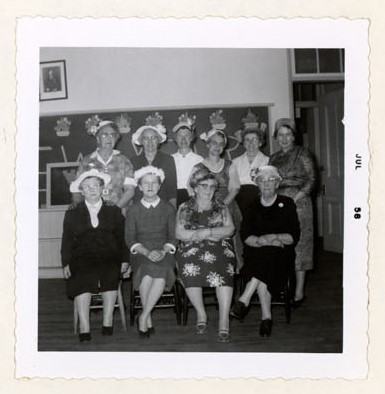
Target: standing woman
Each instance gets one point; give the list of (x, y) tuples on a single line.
[(93, 251), (297, 168), (185, 159), (150, 236), (109, 161), (150, 136), (205, 254), (253, 140)]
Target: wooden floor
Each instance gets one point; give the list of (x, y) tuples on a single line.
[(316, 327)]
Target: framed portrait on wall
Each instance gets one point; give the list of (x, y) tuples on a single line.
[(53, 80)]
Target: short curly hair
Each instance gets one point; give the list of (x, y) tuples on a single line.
[(201, 175), (258, 132)]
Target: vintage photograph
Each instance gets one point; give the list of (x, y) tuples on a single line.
[(53, 80), (192, 200)]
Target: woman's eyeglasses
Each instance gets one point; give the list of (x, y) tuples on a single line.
[(206, 186), (109, 135), (268, 180)]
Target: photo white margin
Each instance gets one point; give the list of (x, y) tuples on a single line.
[(33, 33)]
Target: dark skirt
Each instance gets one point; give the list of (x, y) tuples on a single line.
[(269, 264), (92, 275)]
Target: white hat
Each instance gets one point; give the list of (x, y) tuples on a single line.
[(74, 187), (149, 170), (185, 121), (255, 173), (209, 134), (159, 129)]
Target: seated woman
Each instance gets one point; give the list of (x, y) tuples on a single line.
[(93, 251), (270, 231), (150, 236), (205, 255)]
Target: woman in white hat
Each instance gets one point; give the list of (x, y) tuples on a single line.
[(150, 136), (150, 236), (270, 231), (93, 251), (183, 134), (110, 161)]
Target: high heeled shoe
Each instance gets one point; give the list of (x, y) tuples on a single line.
[(298, 303), (223, 335), (85, 337), (265, 327), (201, 327), (142, 334), (107, 330), (239, 310)]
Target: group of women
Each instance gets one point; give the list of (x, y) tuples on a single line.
[(202, 220)]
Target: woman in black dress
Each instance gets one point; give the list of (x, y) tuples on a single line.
[(93, 251), (270, 231)]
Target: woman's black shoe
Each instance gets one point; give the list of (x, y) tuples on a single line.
[(85, 337), (107, 330), (151, 330), (265, 328), (239, 310), (142, 334), (297, 303)]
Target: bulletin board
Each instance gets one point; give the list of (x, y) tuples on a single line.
[(58, 148)]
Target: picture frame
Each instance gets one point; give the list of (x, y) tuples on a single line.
[(53, 81), (59, 177)]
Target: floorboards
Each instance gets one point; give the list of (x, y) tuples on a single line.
[(316, 327)]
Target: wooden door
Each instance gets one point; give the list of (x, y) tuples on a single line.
[(331, 112)]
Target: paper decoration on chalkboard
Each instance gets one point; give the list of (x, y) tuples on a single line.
[(251, 122), (217, 120), (123, 121), (62, 127), (92, 124)]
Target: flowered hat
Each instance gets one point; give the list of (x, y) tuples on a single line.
[(186, 122), (94, 124), (74, 187), (206, 136), (153, 122), (149, 170), (271, 171)]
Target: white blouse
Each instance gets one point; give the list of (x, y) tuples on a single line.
[(243, 166), (184, 165)]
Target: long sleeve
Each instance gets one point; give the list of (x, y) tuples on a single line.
[(292, 222), (171, 227), (119, 233), (68, 240), (309, 169), (131, 227), (248, 223)]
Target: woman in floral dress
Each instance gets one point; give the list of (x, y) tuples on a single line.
[(205, 256)]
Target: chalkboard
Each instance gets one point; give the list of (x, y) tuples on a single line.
[(78, 143)]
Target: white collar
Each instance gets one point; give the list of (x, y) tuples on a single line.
[(97, 155), (148, 205), (187, 154), (98, 205)]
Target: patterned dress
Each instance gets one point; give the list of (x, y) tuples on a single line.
[(224, 179), (117, 166), (297, 169), (207, 263)]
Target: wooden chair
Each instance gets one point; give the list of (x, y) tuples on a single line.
[(169, 299), (207, 292), (283, 299), (97, 303)]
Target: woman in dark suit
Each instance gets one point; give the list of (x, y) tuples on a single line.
[(93, 251)]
